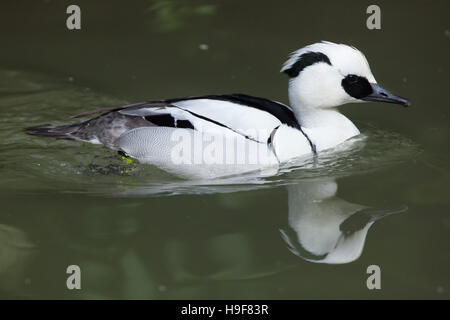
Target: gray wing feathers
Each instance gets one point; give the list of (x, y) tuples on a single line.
[(108, 128), (104, 129)]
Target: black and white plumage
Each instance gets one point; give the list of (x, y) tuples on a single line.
[(235, 112), (322, 76)]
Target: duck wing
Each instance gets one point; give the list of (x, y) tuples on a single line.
[(254, 118)]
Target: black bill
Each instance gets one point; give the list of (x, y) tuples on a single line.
[(382, 95)]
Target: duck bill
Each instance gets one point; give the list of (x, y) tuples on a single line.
[(382, 95)]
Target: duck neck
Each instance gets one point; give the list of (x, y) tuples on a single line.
[(317, 118), (326, 127)]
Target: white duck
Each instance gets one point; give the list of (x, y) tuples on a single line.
[(219, 135)]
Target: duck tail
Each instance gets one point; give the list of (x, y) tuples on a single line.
[(57, 132)]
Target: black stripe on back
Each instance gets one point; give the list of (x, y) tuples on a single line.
[(278, 110)]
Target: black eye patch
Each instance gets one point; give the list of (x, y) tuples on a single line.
[(356, 86)]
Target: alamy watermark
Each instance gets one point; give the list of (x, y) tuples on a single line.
[(73, 22), (74, 280), (373, 21), (238, 147), (374, 280)]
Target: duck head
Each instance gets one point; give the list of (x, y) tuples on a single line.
[(325, 75)]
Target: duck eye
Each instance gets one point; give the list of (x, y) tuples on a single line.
[(352, 78)]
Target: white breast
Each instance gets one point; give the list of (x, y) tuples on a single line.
[(331, 129), (289, 143)]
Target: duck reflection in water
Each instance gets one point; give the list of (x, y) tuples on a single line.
[(144, 253), (324, 228)]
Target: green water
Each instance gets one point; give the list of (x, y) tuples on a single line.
[(137, 232)]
